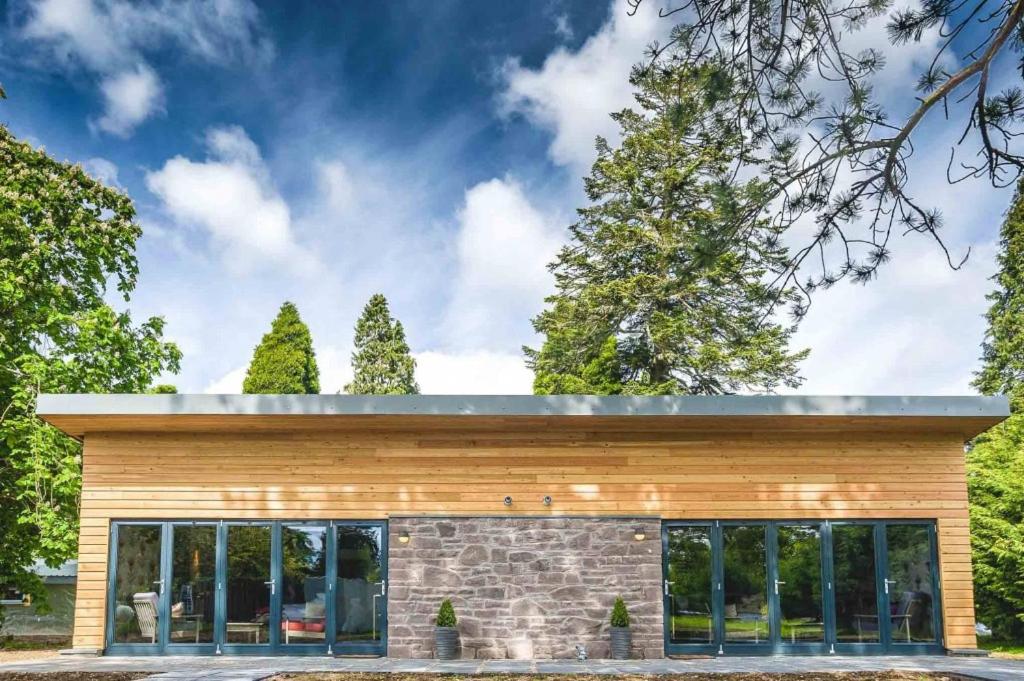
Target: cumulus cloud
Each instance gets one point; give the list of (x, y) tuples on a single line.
[(130, 97), (110, 39), (473, 373), (572, 92), (503, 247), (102, 169), (231, 198), (228, 384)]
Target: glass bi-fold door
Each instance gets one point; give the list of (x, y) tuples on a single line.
[(753, 587), (240, 587)]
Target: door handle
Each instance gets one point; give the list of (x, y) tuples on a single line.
[(887, 583), (161, 583), (777, 582), (383, 588), (667, 585), (272, 583)]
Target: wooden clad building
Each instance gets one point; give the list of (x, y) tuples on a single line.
[(287, 524)]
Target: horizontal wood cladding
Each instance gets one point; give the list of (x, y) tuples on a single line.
[(375, 473)]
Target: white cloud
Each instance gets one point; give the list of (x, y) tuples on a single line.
[(573, 92), (472, 373), (102, 169), (228, 384), (502, 250), (231, 197), (130, 97), (110, 40)]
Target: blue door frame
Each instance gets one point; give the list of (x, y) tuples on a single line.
[(274, 646), (886, 644)]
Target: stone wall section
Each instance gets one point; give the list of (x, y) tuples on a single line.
[(524, 587)]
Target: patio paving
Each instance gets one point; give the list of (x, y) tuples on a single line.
[(173, 668)]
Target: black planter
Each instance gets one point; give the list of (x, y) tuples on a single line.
[(622, 641), (446, 643)]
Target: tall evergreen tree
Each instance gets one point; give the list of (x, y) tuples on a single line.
[(381, 362), (284, 361), (1002, 356), (648, 273), (995, 460)]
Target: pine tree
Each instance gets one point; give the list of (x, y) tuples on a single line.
[(381, 363), (284, 361), (995, 460), (1003, 350), (651, 273)]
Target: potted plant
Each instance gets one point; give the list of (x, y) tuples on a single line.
[(621, 637), (446, 636)]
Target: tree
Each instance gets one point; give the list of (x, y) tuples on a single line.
[(649, 299), (995, 461), (63, 237), (995, 484), (831, 152), (284, 361), (381, 362), (1002, 357)]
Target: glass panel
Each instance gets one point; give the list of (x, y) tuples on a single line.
[(911, 600), (248, 592), (799, 586), (304, 587), (137, 584), (689, 577), (746, 597), (193, 578), (853, 551), (359, 590)]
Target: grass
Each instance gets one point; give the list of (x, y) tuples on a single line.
[(1004, 649), (34, 643)]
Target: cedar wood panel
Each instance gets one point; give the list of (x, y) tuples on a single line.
[(374, 473)]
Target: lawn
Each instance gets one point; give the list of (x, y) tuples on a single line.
[(1012, 651)]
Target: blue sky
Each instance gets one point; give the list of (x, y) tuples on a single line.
[(321, 152)]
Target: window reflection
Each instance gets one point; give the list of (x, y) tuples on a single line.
[(689, 585), (248, 584), (137, 584), (193, 581), (911, 598), (746, 599), (304, 584), (799, 585), (359, 593), (856, 597)]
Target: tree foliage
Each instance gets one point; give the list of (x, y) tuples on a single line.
[(995, 461), (1002, 357), (650, 298), (995, 481), (284, 361), (63, 237), (381, 362), (832, 153)]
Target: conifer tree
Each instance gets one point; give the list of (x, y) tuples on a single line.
[(995, 460), (381, 362), (284, 361), (648, 275)]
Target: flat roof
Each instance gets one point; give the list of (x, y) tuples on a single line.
[(77, 414)]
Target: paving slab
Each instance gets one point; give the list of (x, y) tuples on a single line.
[(185, 668)]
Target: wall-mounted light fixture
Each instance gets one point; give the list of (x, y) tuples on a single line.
[(639, 534), (546, 501), (403, 538), (508, 501)]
